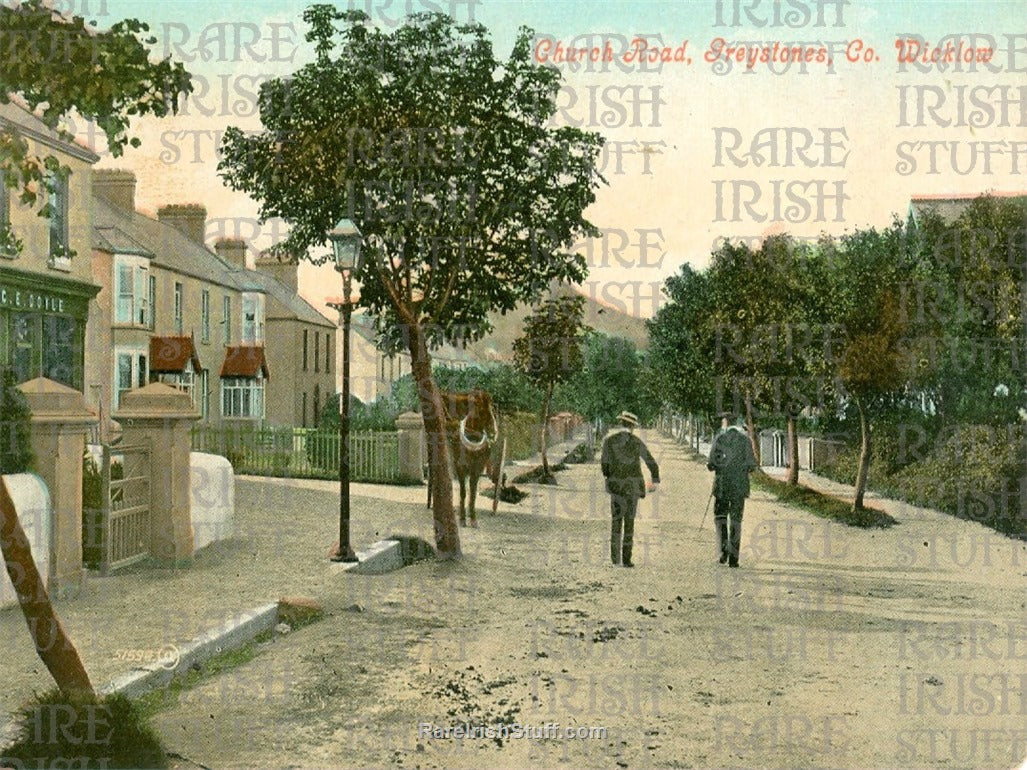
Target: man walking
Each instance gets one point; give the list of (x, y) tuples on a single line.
[(732, 459), (621, 463)]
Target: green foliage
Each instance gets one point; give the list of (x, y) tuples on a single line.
[(15, 427), (609, 381), (551, 349), (57, 729), (682, 364), (63, 66), (380, 414), (381, 122), (824, 506)]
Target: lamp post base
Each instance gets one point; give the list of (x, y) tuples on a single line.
[(336, 554)]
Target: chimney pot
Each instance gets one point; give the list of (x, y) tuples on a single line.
[(232, 250), (189, 218), (115, 186)]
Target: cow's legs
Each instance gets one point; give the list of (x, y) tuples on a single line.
[(474, 495), (463, 495)]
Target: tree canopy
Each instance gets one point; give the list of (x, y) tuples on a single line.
[(58, 67), (445, 158)]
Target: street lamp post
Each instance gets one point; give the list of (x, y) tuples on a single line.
[(345, 240)]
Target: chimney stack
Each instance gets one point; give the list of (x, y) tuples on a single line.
[(232, 250), (189, 218), (283, 268), (116, 187)]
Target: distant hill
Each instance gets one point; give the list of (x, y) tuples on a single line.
[(499, 344)]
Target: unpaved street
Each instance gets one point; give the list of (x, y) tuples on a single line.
[(830, 647)]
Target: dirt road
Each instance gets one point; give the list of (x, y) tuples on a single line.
[(830, 647)]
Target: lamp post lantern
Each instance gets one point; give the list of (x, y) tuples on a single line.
[(345, 238)]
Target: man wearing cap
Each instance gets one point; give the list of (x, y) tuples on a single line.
[(621, 462), (732, 459)]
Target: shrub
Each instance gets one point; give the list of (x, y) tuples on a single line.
[(15, 427), (60, 730)]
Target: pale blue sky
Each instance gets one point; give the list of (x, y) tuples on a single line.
[(668, 196)]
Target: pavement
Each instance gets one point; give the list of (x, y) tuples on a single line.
[(830, 647)]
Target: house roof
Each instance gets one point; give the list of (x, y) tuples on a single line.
[(118, 231), (244, 361), (293, 303), (949, 207), (22, 120), (171, 354), (116, 241)]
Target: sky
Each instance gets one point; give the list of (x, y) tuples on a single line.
[(699, 148)]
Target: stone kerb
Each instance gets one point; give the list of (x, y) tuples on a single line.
[(411, 440), (60, 421), (160, 416)]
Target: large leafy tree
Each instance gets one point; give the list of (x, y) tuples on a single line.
[(551, 352), (609, 380), (869, 355), (61, 67), (445, 157), (682, 353)]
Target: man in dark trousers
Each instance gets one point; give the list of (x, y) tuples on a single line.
[(732, 459), (622, 457)]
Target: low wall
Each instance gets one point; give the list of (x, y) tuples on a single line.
[(35, 512), (212, 489)]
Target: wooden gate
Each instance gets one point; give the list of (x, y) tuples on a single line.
[(125, 481)]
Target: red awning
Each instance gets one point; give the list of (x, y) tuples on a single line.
[(244, 361), (171, 354)]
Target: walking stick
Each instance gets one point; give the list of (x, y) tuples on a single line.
[(706, 511)]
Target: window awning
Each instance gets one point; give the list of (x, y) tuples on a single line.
[(244, 361), (171, 354)]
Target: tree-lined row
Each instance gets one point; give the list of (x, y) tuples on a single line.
[(920, 323)]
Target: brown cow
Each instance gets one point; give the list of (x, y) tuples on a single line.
[(470, 430)]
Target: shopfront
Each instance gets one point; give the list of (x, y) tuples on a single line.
[(42, 325)]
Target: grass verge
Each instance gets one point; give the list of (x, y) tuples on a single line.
[(166, 697), (824, 506)]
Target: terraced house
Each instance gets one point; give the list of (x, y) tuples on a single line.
[(45, 279), (177, 312)]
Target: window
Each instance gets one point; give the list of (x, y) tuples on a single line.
[(317, 351), (204, 395), (205, 316), (61, 359), (242, 397), (306, 334), (303, 411), (185, 381), (317, 405), (226, 320), (252, 317), (328, 352), (134, 290), (26, 346), (178, 308), (60, 252), (130, 372), (152, 293)]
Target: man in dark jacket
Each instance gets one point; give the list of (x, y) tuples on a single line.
[(732, 459), (621, 462)]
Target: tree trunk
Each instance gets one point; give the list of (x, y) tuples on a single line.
[(793, 450), (545, 426), (750, 425), (864, 456), (53, 645), (447, 534)]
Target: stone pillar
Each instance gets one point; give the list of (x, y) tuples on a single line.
[(161, 416), (411, 439), (60, 421)]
